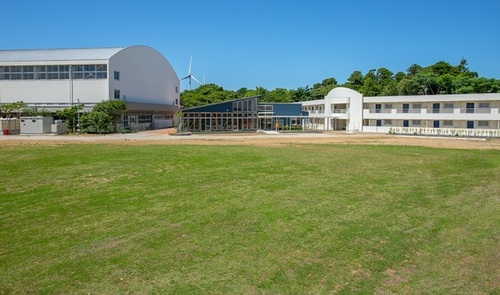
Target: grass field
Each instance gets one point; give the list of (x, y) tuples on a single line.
[(291, 219)]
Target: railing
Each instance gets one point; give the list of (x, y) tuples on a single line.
[(409, 111), (475, 111), (380, 111), (339, 111), (433, 111), (316, 111)]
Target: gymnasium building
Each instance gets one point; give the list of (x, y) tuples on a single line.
[(54, 79)]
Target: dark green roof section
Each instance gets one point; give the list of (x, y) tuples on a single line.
[(219, 107)]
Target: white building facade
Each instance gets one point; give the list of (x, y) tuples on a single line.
[(453, 115), (55, 79)]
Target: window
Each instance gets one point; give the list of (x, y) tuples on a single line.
[(447, 123), (265, 108), (176, 101), (387, 122), (388, 106), (484, 105), (417, 105), (416, 122), (117, 94), (448, 105), (483, 123), (176, 89), (52, 72), (144, 119), (117, 75)]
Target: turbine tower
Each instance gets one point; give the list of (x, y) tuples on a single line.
[(189, 75)]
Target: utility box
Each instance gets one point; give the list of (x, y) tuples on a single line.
[(9, 126), (58, 128), (36, 125)]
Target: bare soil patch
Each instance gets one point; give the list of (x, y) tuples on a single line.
[(164, 136)]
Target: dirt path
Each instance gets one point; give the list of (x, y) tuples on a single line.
[(258, 139)]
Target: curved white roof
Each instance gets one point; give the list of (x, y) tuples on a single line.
[(58, 54)]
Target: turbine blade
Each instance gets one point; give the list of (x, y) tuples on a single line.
[(196, 80), (190, 62)]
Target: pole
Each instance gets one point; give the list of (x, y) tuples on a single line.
[(78, 124), (71, 93)]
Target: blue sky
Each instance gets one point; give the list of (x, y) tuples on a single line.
[(287, 44)]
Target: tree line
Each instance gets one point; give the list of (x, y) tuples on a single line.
[(439, 78)]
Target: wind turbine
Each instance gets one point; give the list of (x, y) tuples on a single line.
[(190, 76)]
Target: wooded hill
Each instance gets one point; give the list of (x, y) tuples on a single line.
[(439, 78)]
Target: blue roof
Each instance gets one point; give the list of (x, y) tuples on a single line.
[(34, 55), (218, 107)]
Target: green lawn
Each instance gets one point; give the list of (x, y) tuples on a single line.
[(294, 219)]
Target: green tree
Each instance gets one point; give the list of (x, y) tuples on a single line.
[(13, 108), (279, 95), (259, 91), (34, 112), (390, 89), (441, 68), (413, 70), (399, 76), (301, 94), (408, 86), (205, 94), (355, 81), (445, 83), (240, 93), (427, 82), (104, 117), (320, 90), (69, 115), (370, 85)]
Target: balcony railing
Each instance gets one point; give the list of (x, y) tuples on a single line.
[(380, 111), (433, 111), (409, 111), (316, 111), (475, 111), (339, 111)]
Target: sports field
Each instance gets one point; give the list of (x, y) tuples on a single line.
[(287, 218)]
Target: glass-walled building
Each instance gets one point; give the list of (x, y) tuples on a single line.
[(234, 115), (245, 114)]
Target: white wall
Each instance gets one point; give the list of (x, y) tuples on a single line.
[(354, 101), (52, 91), (145, 76)]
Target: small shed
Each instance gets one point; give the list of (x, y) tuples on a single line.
[(9, 126), (36, 125)]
